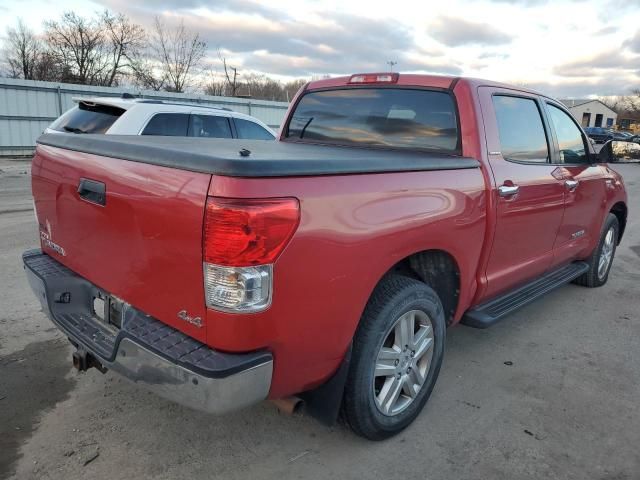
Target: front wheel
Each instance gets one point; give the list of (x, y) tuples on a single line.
[(396, 357), (602, 257)]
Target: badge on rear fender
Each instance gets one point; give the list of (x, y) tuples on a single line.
[(184, 316)]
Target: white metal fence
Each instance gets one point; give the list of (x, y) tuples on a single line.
[(27, 107)]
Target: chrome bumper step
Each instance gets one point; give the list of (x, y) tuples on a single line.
[(146, 350)]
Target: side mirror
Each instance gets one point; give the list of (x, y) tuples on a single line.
[(619, 151)]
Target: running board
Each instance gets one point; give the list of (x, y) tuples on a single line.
[(488, 313)]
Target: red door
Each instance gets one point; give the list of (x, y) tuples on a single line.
[(585, 190), (529, 192)]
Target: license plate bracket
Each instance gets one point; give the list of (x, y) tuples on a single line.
[(107, 309)]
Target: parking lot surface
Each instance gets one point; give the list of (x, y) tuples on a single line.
[(551, 392)]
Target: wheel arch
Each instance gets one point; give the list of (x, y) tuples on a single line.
[(438, 269), (619, 209)]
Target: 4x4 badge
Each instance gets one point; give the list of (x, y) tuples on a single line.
[(183, 315)]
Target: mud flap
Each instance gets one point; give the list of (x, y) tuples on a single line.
[(323, 403)]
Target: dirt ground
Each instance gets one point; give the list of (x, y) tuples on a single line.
[(551, 392)]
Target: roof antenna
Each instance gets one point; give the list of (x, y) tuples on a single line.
[(244, 152), (391, 63)]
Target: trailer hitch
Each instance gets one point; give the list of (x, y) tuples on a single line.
[(83, 361)]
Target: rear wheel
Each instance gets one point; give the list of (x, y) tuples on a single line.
[(602, 257), (397, 353)]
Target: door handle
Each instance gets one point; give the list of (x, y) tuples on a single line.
[(508, 190), (571, 184), (92, 191)]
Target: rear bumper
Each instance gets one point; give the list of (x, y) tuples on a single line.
[(145, 350)]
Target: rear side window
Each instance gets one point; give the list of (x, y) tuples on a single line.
[(209, 126), (251, 131), (521, 131), (168, 124), (386, 117), (570, 140), (87, 118)]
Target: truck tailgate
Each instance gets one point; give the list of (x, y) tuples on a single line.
[(144, 245)]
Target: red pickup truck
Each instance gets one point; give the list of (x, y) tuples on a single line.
[(327, 264)]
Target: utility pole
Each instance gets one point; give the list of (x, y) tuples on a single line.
[(391, 63)]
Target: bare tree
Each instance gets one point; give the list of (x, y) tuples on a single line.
[(633, 101), (22, 52), (146, 73), (263, 87), (174, 56), (94, 51), (627, 104), (254, 85), (48, 68), (292, 87), (266, 88), (109, 47), (614, 103), (80, 46), (125, 41), (215, 86), (231, 76)]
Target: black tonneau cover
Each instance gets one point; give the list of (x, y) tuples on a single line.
[(267, 158)]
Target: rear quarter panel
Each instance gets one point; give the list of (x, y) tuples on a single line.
[(353, 229)]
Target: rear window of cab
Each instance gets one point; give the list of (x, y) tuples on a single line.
[(377, 117)]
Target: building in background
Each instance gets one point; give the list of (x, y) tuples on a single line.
[(591, 113), (629, 120)]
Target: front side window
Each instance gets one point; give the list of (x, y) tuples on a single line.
[(209, 126), (168, 124), (521, 131), (384, 117), (87, 118), (248, 130), (570, 140)]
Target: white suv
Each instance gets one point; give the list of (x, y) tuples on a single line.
[(135, 116)]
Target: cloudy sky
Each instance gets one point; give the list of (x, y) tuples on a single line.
[(567, 48)]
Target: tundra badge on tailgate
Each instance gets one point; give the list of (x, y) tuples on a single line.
[(46, 239)]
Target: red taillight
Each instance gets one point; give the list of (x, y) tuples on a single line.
[(242, 232), (374, 78)]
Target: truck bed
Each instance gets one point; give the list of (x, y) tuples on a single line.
[(267, 159)]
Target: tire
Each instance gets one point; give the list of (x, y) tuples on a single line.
[(596, 276), (397, 301)]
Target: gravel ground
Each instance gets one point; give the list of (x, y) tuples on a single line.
[(552, 392)]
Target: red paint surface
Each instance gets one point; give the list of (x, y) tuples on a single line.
[(352, 230), (145, 245)]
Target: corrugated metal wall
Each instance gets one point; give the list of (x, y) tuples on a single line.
[(27, 107)]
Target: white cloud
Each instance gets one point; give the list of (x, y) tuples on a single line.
[(557, 46), (455, 32)]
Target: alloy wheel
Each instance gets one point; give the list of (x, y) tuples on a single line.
[(403, 362), (606, 254)]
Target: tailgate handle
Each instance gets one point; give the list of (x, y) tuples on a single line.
[(92, 191)]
